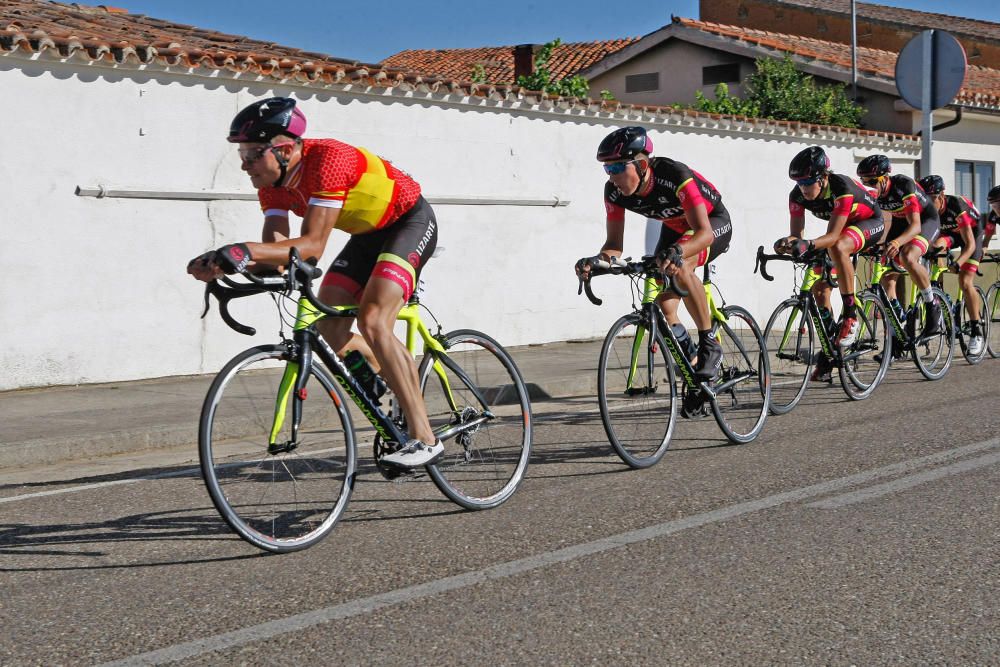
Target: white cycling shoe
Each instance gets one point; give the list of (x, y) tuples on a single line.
[(415, 454), (976, 344)]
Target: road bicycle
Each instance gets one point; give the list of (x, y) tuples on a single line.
[(962, 324), (931, 354), (796, 326), (277, 443), (641, 357), (993, 307)]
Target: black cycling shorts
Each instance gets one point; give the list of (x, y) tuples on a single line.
[(930, 227), (722, 228), (397, 253)]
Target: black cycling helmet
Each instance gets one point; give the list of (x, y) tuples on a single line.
[(874, 166), (932, 185), (994, 196), (262, 121), (624, 143), (812, 162)]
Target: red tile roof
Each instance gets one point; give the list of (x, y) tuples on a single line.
[(911, 19), (75, 32), (981, 88), (498, 61)]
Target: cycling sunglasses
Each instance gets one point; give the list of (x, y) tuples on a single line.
[(870, 180), (807, 181), (617, 167), (251, 155)]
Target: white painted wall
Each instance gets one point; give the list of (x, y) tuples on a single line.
[(96, 289)]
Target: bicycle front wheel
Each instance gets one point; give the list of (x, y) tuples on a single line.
[(478, 405), (791, 342), (636, 391), (743, 387), (933, 354), (865, 362), (289, 500), (993, 312)]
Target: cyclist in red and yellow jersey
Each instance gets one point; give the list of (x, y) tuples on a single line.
[(333, 185)]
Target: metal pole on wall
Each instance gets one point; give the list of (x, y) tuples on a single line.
[(854, 51), (928, 107)]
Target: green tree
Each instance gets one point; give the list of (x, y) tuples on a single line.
[(779, 91), (541, 77)]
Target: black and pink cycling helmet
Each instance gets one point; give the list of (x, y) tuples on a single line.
[(262, 121), (624, 143)]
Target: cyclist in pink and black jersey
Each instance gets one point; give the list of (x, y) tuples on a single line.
[(696, 226), (853, 219), (961, 227), (993, 199), (915, 226)]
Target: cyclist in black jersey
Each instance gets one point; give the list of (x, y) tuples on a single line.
[(915, 227), (961, 227), (696, 227), (853, 218), (993, 199)]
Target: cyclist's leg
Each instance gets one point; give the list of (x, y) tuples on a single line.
[(709, 349), (343, 285), (407, 245), (670, 300), (966, 279), (851, 241)]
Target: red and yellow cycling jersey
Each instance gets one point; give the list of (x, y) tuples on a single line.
[(370, 193)]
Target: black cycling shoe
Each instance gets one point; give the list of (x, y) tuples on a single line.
[(823, 372), (709, 360), (932, 321)]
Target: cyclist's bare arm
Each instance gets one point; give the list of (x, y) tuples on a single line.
[(275, 229), (697, 219), (833, 231), (968, 245), (316, 227), (615, 242)]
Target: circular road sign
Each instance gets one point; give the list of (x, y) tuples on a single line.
[(947, 69)]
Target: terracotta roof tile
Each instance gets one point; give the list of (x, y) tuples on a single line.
[(106, 35), (498, 61), (912, 19), (981, 87)]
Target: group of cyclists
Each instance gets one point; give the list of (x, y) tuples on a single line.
[(906, 218), (333, 185)]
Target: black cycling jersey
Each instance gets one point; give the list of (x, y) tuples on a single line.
[(674, 188), (960, 212), (904, 195), (841, 196)]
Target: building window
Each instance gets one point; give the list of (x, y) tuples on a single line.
[(638, 83), (974, 180), (720, 74)]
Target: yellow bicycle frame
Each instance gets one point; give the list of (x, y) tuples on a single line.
[(307, 315)]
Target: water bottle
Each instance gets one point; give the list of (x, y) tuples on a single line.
[(364, 374)]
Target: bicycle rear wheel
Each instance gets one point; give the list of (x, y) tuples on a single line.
[(860, 372), (964, 325), (743, 387), (478, 404), (933, 355), (791, 341), (993, 309), (277, 502), (636, 391)]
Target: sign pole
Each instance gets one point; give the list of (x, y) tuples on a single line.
[(928, 108)]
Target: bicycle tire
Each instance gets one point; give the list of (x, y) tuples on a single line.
[(742, 409), (860, 373), (282, 502), (481, 468), (993, 299), (933, 356), (633, 371), (791, 343), (963, 325)]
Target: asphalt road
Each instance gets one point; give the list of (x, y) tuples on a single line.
[(849, 533)]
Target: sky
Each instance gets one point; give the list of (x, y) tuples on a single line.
[(343, 30)]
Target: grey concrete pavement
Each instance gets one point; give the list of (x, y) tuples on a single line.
[(57, 424)]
